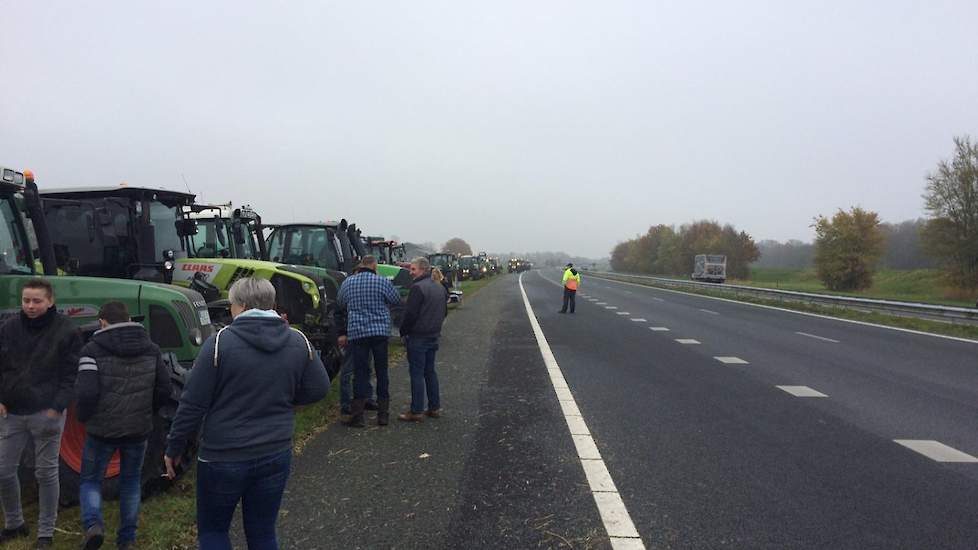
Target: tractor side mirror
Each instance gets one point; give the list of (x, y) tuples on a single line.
[(186, 227)]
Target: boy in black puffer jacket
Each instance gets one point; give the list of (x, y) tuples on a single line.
[(122, 382)]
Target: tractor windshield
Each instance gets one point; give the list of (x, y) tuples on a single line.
[(305, 245), (13, 240), (211, 240)]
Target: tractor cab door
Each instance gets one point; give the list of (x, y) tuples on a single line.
[(15, 250)]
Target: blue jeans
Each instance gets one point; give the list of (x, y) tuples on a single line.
[(257, 483), (346, 382), (95, 459), (363, 348), (421, 363)]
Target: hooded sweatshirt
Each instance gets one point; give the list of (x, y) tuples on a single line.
[(243, 390), (122, 382)]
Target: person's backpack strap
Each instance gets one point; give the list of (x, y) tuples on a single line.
[(217, 343), (306, 340)]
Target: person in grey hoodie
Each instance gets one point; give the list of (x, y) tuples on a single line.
[(243, 389)]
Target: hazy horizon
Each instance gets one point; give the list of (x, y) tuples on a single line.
[(560, 126)]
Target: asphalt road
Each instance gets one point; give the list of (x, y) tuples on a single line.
[(708, 452), (498, 470)]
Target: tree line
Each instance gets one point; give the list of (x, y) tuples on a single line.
[(849, 246), (666, 250)]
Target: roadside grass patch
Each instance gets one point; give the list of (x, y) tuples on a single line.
[(916, 285)]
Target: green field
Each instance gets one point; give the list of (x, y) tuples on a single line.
[(919, 285)]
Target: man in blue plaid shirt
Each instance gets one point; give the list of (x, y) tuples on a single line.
[(367, 298)]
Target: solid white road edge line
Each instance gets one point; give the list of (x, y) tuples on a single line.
[(621, 530), (822, 338), (805, 313)]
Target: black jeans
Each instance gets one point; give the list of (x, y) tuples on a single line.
[(363, 348), (570, 297)]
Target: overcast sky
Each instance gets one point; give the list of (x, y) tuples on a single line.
[(516, 125)]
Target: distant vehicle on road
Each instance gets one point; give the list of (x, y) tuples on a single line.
[(710, 268)]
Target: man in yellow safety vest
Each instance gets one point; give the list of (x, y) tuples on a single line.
[(571, 280)]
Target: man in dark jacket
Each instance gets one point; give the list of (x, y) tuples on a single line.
[(122, 383), (244, 387), (38, 362), (427, 306)]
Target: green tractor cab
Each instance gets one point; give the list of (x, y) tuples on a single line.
[(331, 245), (471, 268), (177, 319)]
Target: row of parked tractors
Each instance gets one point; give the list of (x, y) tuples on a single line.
[(172, 261)]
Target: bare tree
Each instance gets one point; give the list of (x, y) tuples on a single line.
[(951, 234)]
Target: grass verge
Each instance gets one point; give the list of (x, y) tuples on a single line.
[(917, 285), (922, 325), (168, 519)]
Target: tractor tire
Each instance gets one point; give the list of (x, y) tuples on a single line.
[(73, 439)]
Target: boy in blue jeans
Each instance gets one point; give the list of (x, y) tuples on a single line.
[(122, 382)]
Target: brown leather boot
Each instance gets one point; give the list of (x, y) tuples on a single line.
[(383, 412), (356, 414)]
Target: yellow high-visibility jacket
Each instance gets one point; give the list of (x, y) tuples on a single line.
[(572, 279)]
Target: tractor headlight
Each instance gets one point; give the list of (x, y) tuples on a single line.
[(168, 265), (196, 337), (307, 286)]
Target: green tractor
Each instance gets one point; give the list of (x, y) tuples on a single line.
[(161, 235), (177, 319), (331, 245), (447, 263), (471, 268)]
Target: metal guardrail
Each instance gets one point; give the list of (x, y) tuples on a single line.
[(931, 312)]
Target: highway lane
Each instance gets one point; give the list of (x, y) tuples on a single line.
[(708, 454), (904, 385)]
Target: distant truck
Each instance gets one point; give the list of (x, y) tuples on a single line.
[(710, 268)]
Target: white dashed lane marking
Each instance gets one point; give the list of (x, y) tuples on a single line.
[(639, 320), (611, 307), (659, 329), (657, 299), (602, 303), (731, 360), (935, 450), (822, 338), (687, 341), (622, 313), (710, 311), (802, 391), (618, 524)]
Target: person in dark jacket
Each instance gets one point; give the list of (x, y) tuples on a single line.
[(427, 306), (367, 298), (38, 362), (122, 383), (243, 388)]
